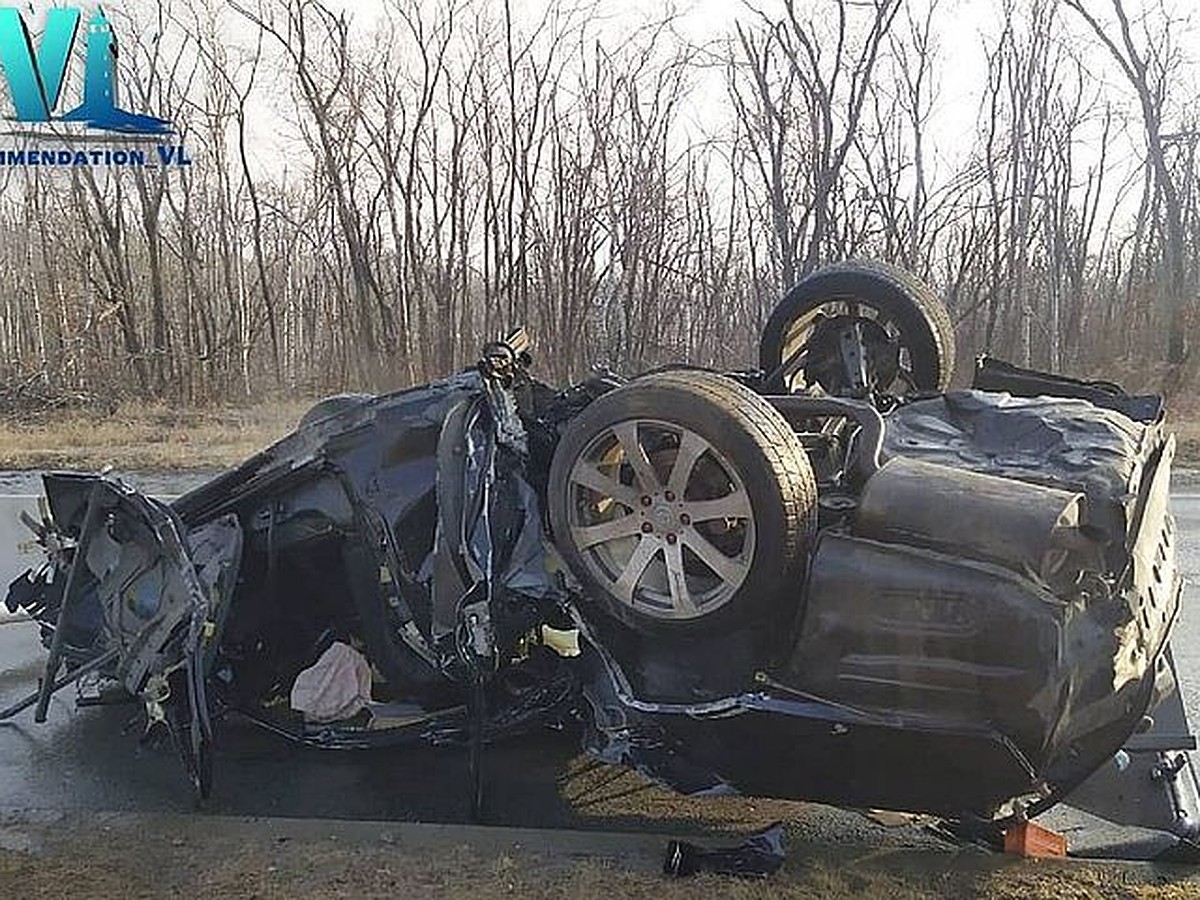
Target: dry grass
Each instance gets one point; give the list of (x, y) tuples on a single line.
[(1185, 422), (1188, 434), (114, 865), (156, 437), (146, 438)]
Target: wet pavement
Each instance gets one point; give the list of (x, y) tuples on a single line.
[(29, 484), (91, 759)]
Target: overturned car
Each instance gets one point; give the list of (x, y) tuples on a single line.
[(829, 578)]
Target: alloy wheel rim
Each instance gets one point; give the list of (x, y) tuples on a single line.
[(662, 519), (799, 335)]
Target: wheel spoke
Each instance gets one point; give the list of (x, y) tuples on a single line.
[(590, 535), (588, 476), (797, 360), (635, 455), (681, 597), (691, 448), (790, 367), (731, 506), (642, 556), (854, 356), (800, 330), (728, 569)]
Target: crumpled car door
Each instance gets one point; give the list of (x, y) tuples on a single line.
[(126, 579)]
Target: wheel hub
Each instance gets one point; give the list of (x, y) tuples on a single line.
[(664, 517), (874, 350)]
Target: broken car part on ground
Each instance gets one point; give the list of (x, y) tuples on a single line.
[(831, 578)]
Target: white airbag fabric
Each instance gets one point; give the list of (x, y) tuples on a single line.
[(337, 686)]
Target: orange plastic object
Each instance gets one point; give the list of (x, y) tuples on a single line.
[(1032, 841)]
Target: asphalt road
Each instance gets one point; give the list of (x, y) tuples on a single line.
[(91, 759), (1186, 638)]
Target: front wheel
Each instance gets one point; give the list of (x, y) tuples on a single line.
[(683, 502)]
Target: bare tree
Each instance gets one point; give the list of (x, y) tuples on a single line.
[(448, 168), (1148, 68)]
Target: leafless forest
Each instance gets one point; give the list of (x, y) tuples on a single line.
[(439, 170)]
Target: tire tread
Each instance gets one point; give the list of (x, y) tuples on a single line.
[(782, 461), (923, 302)]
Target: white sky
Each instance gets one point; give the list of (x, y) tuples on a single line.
[(960, 30)]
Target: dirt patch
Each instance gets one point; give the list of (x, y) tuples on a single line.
[(206, 857)]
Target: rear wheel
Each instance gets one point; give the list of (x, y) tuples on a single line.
[(859, 329), (683, 501)]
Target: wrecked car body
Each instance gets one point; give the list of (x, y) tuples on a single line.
[(831, 578)]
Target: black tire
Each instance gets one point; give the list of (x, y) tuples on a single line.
[(331, 406), (749, 444), (921, 318)]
